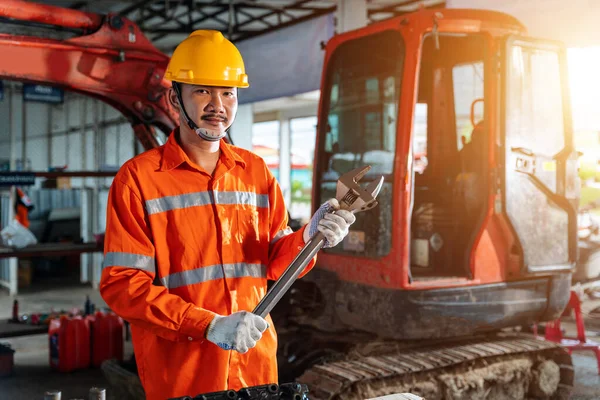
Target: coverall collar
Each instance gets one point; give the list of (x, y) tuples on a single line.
[(173, 155)]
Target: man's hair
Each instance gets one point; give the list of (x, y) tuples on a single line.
[(180, 85)]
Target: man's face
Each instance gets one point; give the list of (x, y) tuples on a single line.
[(210, 107)]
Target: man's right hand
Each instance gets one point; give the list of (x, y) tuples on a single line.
[(239, 331)]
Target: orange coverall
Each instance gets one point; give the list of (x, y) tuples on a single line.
[(182, 245)]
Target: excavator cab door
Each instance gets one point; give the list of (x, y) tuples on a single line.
[(540, 185)]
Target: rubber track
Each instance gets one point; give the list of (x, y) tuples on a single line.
[(330, 380)]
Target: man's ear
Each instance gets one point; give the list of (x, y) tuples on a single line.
[(173, 98)]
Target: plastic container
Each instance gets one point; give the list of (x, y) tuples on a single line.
[(107, 338), (69, 341), (6, 360)]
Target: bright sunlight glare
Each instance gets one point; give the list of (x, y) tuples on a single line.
[(584, 81)]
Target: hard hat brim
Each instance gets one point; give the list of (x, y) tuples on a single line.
[(209, 82)]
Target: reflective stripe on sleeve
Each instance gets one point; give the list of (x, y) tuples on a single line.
[(129, 260)]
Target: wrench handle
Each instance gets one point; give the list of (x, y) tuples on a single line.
[(289, 276)]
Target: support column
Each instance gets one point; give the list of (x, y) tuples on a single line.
[(87, 235), (10, 89), (49, 135), (351, 14), (82, 128), (241, 130), (13, 262), (285, 159), (24, 136)]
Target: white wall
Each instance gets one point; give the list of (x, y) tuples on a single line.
[(82, 133)]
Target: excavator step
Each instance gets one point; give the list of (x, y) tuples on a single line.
[(518, 366)]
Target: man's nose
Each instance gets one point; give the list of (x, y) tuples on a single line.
[(216, 103)]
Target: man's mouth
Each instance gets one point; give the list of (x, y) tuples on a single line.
[(214, 120)]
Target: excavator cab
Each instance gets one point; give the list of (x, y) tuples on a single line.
[(468, 120), (474, 234)]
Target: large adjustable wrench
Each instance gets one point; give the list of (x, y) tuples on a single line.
[(352, 198)]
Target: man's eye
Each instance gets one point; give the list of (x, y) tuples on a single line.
[(202, 91)]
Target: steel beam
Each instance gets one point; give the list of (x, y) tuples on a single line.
[(250, 34), (268, 14), (216, 3), (393, 8)]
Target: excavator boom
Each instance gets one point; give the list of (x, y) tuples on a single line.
[(103, 56)]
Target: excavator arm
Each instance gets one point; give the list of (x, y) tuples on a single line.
[(103, 56)]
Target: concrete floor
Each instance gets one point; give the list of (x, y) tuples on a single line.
[(33, 376)]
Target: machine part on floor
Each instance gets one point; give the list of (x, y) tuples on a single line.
[(97, 394), (285, 391), (501, 367), (351, 197), (554, 333), (53, 395)]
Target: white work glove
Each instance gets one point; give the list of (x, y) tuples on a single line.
[(333, 226), (239, 331)]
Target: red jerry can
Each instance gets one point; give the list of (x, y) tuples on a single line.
[(107, 338), (69, 341)]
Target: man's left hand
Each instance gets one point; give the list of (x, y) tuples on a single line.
[(333, 226)]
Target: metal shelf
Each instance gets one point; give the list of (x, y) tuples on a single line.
[(60, 174), (10, 329), (51, 249)]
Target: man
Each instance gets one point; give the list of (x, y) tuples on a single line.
[(23, 206), (207, 223)]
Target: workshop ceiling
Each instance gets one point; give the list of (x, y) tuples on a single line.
[(167, 22)]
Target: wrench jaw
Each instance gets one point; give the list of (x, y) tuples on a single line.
[(351, 178), (354, 198), (373, 189)]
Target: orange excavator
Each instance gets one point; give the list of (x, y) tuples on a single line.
[(474, 239)]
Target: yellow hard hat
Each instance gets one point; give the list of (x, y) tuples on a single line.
[(207, 58)]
